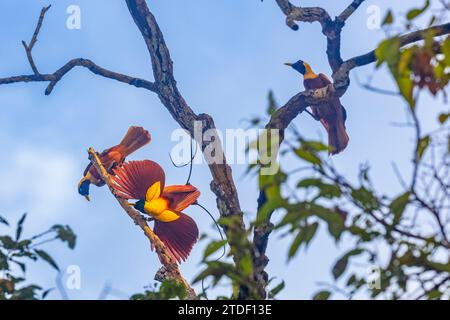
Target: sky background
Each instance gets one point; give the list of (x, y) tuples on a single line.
[(227, 55)]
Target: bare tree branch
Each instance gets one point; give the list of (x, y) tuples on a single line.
[(29, 47), (330, 28), (54, 78), (170, 268), (349, 10)]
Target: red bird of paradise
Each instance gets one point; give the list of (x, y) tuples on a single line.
[(332, 114), (145, 181), (135, 138)]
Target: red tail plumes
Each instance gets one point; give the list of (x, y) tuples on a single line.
[(337, 137), (135, 138), (181, 197), (132, 180), (179, 236)]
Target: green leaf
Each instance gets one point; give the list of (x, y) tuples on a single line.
[(322, 295), (19, 228), (341, 265), (309, 182), (388, 51), (316, 146), (445, 48), (336, 223), (21, 265), (388, 19), (304, 236), (266, 180), (66, 234), (3, 261), (329, 191), (4, 221), (295, 245), (414, 13), (434, 294), (273, 106), (424, 142), (46, 257), (276, 290), (365, 198), (398, 206), (443, 117), (46, 292), (310, 232), (404, 63), (8, 242), (246, 265), (308, 156), (406, 86), (213, 247)]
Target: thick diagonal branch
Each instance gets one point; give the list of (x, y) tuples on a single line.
[(170, 266), (222, 184)]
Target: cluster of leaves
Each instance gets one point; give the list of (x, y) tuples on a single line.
[(358, 214), (167, 290), (419, 66), (16, 252), (240, 272)]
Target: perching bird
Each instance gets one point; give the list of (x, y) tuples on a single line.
[(135, 138), (332, 114), (144, 181)]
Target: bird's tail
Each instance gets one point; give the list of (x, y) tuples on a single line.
[(135, 138), (179, 236), (337, 137)]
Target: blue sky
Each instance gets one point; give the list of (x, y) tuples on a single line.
[(227, 54)]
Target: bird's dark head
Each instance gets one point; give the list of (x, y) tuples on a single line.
[(140, 205), (299, 66), (83, 189)]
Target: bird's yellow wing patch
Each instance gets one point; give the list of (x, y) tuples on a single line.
[(168, 216), (153, 192)]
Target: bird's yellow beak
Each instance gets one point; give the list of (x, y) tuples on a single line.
[(288, 64), (87, 198), (131, 204)]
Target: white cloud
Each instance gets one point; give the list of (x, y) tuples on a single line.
[(37, 181)]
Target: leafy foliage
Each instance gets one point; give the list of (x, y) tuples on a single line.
[(168, 289), (424, 65), (16, 252)]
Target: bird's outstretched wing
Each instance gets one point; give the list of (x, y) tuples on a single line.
[(134, 178)]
